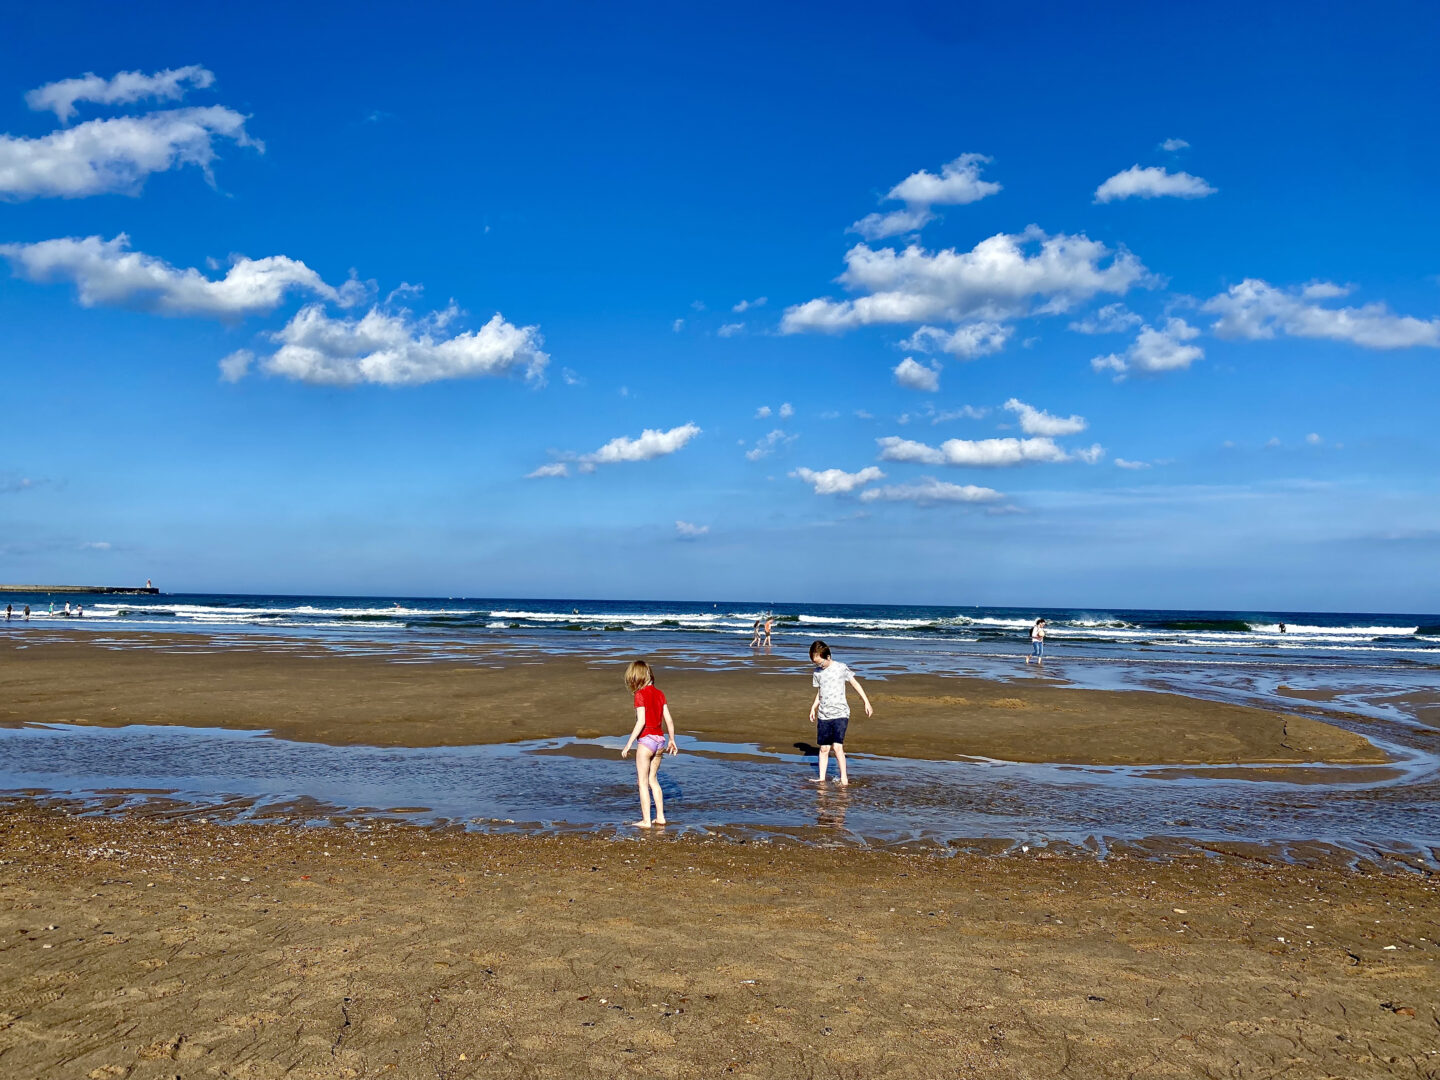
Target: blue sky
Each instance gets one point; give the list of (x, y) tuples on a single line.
[(1059, 308)]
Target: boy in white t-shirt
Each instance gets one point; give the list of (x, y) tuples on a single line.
[(830, 711)]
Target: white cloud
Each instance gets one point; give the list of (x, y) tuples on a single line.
[(965, 412), (1255, 309), (730, 329), (123, 89), (687, 531), (1172, 145), (651, 444), (746, 305), (837, 481), (984, 453), (555, 468), (1123, 464), (766, 446), (1313, 439), (399, 350), (917, 376), (762, 412), (116, 155), (1035, 421), (677, 325), (95, 545), (967, 342), (107, 272), (1154, 351), (1091, 455), (1110, 319), (786, 410), (997, 279), (571, 378), (878, 226), (236, 366), (1150, 183), (929, 491), (958, 183)]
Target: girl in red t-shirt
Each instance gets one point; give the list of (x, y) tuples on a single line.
[(650, 712)]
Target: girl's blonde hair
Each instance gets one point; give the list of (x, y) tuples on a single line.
[(638, 674)]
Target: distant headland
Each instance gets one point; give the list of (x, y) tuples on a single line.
[(94, 590)]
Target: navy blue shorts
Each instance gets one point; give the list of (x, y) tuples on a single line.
[(829, 732)]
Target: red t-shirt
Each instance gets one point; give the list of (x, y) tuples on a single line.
[(653, 702)]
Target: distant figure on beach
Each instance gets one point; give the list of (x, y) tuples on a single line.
[(27, 612), (651, 711), (830, 711), (79, 611), (1282, 628), (9, 612), (1037, 642), (769, 627), (757, 635)]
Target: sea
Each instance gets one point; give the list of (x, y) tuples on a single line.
[(1376, 673)]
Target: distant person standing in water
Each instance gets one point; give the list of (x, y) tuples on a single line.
[(769, 627), (1282, 628), (27, 612), (1037, 642), (9, 612), (830, 711)]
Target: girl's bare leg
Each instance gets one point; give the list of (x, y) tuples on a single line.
[(655, 789), (824, 764), (642, 776), (840, 761)]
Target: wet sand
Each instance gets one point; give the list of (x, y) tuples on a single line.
[(145, 949), (501, 697)]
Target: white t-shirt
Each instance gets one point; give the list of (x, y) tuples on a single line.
[(1037, 633), (831, 683)]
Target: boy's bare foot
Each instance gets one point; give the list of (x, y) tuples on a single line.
[(660, 821), (817, 779), (844, 782), (641, 824)]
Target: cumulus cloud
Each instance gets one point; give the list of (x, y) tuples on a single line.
[(122, 89), (1000, 278), (677, 325), (396, 349), (1172, 145), (762, 412), (1110, 319), (786, 410), (965, 412), (554, 469), (1150, 183), (686, 531), (1314, 439), (966, 342), (878, 226), (929, 492), (107, 272), (746, 305), (958, 183), (837, 481), (1255, 309), (982, 453), (1155, 351), (766, 446), (1124, 464), (731, 329), (236, 366), (916, 376), (1035, 421), (115, 155), (651, 444)]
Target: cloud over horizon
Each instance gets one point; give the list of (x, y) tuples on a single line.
[(1152, 183)]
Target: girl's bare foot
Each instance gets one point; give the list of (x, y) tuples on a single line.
[(641, 824), (660, 821), (844, 782), (817, 779)]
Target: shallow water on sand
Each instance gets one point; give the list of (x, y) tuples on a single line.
[(721, 787)]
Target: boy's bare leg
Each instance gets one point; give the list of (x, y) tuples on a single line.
[(840, 762), (824, 764), (642, 775), (655, 789)]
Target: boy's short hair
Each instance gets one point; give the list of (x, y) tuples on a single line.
[(819, 649), (638, 674)]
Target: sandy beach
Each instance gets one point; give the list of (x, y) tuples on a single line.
[(147, 949), (497, 698)]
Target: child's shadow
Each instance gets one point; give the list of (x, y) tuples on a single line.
[(808, 749)]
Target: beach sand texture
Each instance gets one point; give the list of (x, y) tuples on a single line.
[(344, 700), (150, 949)]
